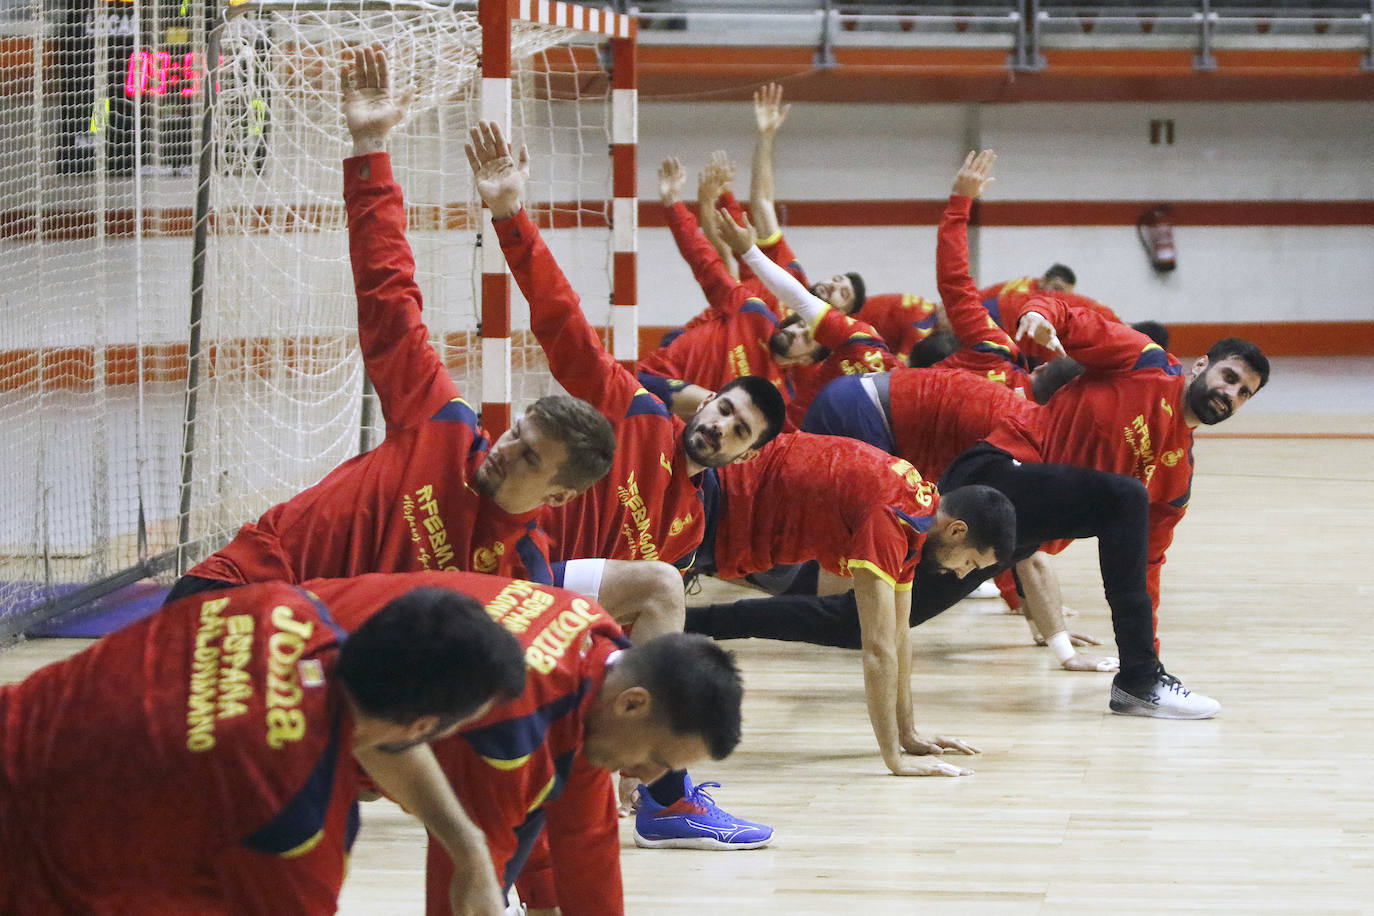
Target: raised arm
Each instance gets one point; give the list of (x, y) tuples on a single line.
[(962, 301), (769, 115), (716, 179), (577, 359), (789, 291), (408, 375), (1086, 335), (710, 272)]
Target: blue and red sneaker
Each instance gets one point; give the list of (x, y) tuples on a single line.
[(694, 822)]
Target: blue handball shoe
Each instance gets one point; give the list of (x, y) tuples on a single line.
[(694, 822)]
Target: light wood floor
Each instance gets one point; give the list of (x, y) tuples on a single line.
[(1268, 606)]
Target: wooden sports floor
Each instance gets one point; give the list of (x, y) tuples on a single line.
[(1269, 808)]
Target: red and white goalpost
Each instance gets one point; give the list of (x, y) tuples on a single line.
[(496, 102), (138, 440)]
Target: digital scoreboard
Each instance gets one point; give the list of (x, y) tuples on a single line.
[(125, 86)]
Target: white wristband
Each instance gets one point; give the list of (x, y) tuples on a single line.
[(1062, 646)]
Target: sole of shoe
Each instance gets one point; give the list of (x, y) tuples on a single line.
[(1134, 707), (697, 842)]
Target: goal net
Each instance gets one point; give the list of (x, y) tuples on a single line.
[(138, 439)]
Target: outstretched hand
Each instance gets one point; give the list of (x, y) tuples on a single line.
[(769, 111), (739, 238), (1039, 329), (720, 171), (671, 178), (500, 179), (370, 109), (975, 174)]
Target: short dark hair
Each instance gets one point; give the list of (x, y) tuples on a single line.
[(1155, 331), (767, 399), (1052, 376), (936, 346), (1060, 272), (695, 685), (858, 283), (430, 652), (1243, 350), (585, 433), (989, 515)]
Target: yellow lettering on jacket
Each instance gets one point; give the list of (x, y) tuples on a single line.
[(219, 685), (552, 642), (285, 722), (640, 538), (739, 361)]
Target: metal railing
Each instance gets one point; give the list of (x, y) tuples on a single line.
[(1025, 28)]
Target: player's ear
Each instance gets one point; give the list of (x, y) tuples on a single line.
[(561, 496), (420, 727), (957, 528), (633, 703), (704, 401)]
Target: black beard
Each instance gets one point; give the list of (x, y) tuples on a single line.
[(930, 557), (711, 460), (1201, 403)]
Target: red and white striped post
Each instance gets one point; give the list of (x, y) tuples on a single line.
[(624, 187), (495, 17), (495, 105)]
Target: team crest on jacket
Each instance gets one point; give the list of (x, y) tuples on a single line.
[(487, 559), (678, 524), (1169, 459)]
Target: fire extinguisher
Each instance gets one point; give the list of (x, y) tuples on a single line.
[(1157, 236)]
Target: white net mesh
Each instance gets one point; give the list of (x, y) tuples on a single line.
[(281, 403), (96, 191), (94, 197)]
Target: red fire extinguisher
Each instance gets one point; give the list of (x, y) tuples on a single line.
[(1157, 236)]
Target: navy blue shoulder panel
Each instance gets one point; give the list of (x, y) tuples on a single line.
[(1154, 357), (459, 411), (514, 739), (993, 308), (303, 817), (647, 402), (323, 611), (756, 307), (997, 350), (532, 558), (919, 523)]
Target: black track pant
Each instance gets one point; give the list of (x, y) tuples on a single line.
[(1052, 501)]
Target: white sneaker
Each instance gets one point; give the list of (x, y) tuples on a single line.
[(986, 589), (513, 905), (1164, 698)]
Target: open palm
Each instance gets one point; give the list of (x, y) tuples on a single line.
[(370, 107), (499, 177)]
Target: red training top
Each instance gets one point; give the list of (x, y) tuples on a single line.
[(863, 508), (647, 507), (1123, 415), (407, 505)]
